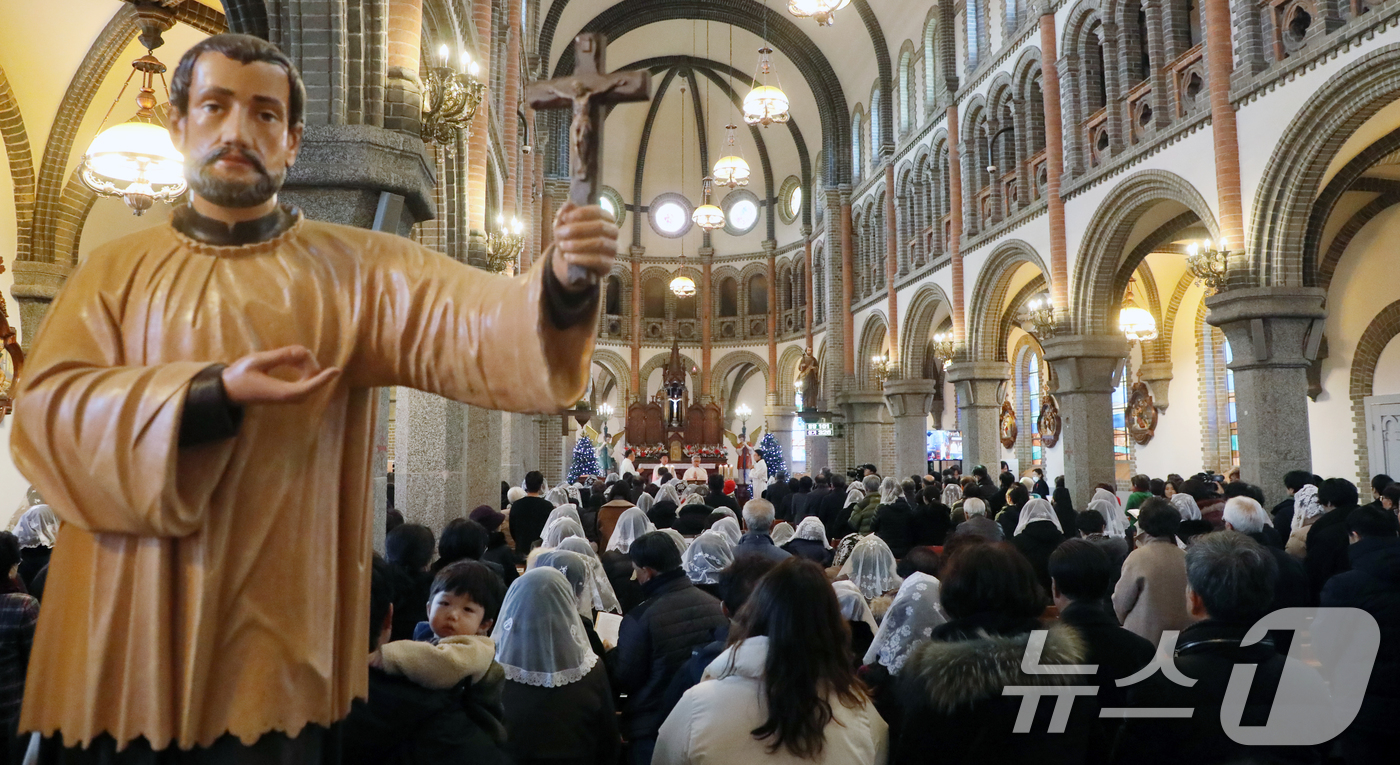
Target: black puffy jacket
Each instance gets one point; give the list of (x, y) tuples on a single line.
[(402, 723), (1373, 585), (655, 639)]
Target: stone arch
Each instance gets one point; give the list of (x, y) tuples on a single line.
[(621, 369), (730, 361), (985, 313), (787, 372), (918, 327), (1382, 329), (659, 361), (1100, 266), (21, 162), (872, 340), (1292, 179)]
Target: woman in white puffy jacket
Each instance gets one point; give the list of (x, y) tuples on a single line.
[(784, 691)]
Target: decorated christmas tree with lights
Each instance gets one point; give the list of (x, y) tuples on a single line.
[(772, 454), (585, 461)]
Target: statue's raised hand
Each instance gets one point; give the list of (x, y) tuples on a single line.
[(585, 240), (250, 380)]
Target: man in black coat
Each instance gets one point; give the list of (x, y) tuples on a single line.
[(1246, 515), (1373, 585), (1327, 537), (1080, 572), (656, 638), (1230, 583), (814, 499), (528, 514)]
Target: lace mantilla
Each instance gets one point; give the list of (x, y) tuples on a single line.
[(552, 679)]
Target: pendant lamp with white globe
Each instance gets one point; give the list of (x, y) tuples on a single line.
[(136, 160)]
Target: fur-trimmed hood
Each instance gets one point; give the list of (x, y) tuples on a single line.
[(961, 673)]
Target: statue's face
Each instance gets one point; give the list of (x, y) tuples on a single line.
[(235, 138)]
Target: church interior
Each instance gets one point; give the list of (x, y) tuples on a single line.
[(1055, 234)]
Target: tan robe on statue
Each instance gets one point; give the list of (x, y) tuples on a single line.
[(224, 588)]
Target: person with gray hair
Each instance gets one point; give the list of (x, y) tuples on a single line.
[(977, 523), (1230, 582), (1247, 516), (758, 517), (894, 520), (863, 514)]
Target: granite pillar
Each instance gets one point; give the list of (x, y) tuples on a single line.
[(36, 285), (909, 402), (1274, 334), (818, 454), (866, 415), (1086, 373), (363, 176), (980, 387), (429, 458), (780, 421)]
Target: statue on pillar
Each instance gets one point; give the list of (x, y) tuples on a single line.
[(808, 379)]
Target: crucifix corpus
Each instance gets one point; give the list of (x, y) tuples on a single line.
[(587, 91)]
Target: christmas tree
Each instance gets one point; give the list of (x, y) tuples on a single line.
[(772, 454), (585, 462)]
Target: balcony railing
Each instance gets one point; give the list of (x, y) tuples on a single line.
[(1096, 131), (1188, 76), (1140, 111)]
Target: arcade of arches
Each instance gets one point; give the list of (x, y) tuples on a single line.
[(948, 167)]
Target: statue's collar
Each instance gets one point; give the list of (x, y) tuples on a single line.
[(218, 233)]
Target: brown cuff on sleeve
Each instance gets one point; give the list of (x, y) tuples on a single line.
[(567, 309), (208, 414)]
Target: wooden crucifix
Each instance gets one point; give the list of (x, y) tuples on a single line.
[(587, 91)]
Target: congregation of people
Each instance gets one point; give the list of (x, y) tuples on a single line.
[(839, 619)]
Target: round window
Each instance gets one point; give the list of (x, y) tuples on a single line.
[(744, 214), (740, 212), (795, 202), (670, 215)]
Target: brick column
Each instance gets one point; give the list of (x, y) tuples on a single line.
[(707, 258), (891, 263), (1054, 166), (510, 124), (955, 210), (909, 402), (1219, 65), (477, 148), (637, 392), (808, 280), (848, 350), (403, 110), (770, 249), (979, 390)]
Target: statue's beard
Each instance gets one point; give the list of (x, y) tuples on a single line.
[(235, 194)]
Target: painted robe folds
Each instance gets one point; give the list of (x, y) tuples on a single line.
[(223, 588)]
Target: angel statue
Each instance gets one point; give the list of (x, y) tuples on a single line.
[(747, 451), (607, 446)]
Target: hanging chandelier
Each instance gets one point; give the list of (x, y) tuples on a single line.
[(1040, 313), (1207, 263), (766, 104), (683, 286), (450, 98), (821, 11), (1136, 323), (136, 160), (708, 216), (503, 246), (731, 170)]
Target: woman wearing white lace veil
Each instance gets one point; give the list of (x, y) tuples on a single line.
[(602, 595), (1186, 505), (557, 496), (1115, 520), (782, 532), (729, 528), (854, 495), (557, 699), (1306, 510), (952, 494), (810, 542), (910, 620), (871, 567), (558, 530), (668, 493), (702, 561), (681, 542), (630, 525), (858, 616), (645, 502), (566, 510)]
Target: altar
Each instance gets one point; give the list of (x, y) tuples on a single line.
[(675, 424)]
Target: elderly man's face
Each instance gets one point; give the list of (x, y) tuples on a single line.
[(235, 137)]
